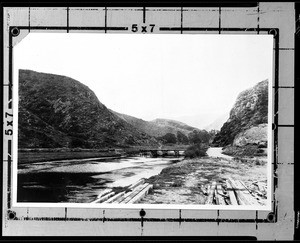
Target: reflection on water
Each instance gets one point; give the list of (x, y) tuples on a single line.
[(82, 180)]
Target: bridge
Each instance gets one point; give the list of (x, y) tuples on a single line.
[(161, 152)]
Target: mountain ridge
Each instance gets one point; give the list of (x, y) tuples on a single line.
[(157, 127), (62, 103)]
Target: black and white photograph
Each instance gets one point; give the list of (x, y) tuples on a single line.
[(144, 119)]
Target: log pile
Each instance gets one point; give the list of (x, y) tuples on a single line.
[(234, 192), (133, 194)]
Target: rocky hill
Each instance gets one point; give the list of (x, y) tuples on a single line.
[(247, 124), (57, 111), (157, 127)]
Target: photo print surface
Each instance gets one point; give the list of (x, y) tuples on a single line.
[(134, 119)]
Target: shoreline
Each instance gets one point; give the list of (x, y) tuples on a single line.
[(35, 157)]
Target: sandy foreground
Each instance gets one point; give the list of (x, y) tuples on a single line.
[(181, 183)]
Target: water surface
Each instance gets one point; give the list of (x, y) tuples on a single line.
[(82, 180), (216, 152)]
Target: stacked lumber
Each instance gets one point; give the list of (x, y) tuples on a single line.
[(242, 193), (232, 192), (259, 189), (216, 194), (104, 195), (132, 194)]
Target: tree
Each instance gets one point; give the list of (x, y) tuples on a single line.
[(182, 138), (212, 135), (194, 137), (204, 135), (169, 138), (199, 136)]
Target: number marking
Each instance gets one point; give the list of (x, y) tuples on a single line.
[(142, 28)]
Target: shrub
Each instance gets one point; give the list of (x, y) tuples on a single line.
[(196, 150)]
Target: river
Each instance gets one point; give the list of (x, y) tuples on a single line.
[(216, 152), (81, 181)]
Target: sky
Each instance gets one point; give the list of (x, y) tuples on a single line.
[(191, 78)]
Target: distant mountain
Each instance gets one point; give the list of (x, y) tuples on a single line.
[(58, 111), (200, 121), (157, 127), (172, 126), (218, 123)]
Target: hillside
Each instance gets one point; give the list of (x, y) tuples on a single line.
[(58, 111), (247, 124), (157, 127)]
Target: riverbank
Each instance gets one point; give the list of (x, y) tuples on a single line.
[(43, 156), (27, 156), (181, 183)]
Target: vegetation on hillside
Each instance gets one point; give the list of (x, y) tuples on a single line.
[(58, 111)]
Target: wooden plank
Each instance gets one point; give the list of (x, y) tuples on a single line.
[(141, 194), (135, 192), (104, 192), (139, 182), (239, 188), (211, 192), (203, 190), (247, 194), (115, 197), (104, 198), (227, 200), (219, 195), (244, 185), (122, 198), (243, 195), (230, 191), (132, 188), (252, 193)]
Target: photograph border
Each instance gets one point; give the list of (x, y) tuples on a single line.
[(14, 31)]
